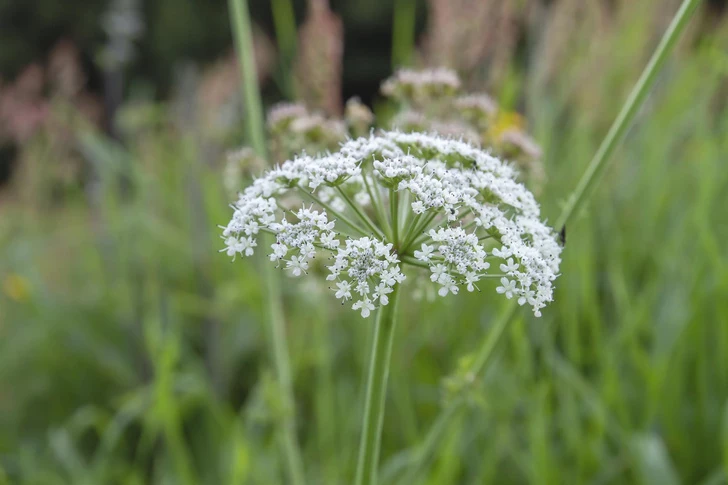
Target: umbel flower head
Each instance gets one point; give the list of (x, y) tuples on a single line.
[(396, 202)]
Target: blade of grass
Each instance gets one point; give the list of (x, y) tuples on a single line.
[(254, 123), (629, 110), (403, 32), (284, 23)]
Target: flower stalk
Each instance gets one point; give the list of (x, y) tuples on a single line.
[(368, 463)]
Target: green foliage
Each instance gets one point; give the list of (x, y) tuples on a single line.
[(132, 353)]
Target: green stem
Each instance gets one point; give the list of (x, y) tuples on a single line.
[(334, 212), (411, 228), (629, 110), (417, 232), (403, 32), (414, 262), (361, 214), (435, 434), (378, 207), (284, 23), (394, 214), (366, 470), (242, 32), (291, 450)]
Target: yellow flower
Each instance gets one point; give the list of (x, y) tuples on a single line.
[(16, 287), (506, 121)]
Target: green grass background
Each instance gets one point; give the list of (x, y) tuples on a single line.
[(140, 356)]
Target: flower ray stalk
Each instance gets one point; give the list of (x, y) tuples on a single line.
[(361, 214), (578, 198), (242, 33)]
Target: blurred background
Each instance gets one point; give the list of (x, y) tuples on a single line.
[(131, 352)]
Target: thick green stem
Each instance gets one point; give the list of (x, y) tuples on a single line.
[(366, 470), (629, 110), (242, 32)]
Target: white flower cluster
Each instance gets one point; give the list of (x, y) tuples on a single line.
[(362, 264), (421, 83), (283, 113), (466, 186), (461, 212), (478, 103)]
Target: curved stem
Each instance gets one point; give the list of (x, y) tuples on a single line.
[(482, 358), (629, 110), (366, 469), (243, 35)]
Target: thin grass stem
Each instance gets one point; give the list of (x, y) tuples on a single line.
[(284, 23), (243, 35), (631, 107)]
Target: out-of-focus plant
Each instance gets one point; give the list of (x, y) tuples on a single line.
[(434, 100), (41, 111), (318, 66), (123, 25), (470, 35), (293, 128)]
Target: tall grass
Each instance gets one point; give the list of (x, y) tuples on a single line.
[(102, 359)]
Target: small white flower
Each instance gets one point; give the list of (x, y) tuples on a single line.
[(297, 265), (279, 251), (425, 254), (510, 267), (344, 290), (329, 241), (504, 252), (365, 305), (448, 285), (470, 279), (247, 244), (507, 286), (437, 272), (232, 246)]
